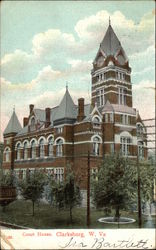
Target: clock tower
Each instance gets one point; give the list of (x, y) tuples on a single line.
[(111, 74)]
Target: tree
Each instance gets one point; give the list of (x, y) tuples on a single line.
[(32, 187), (72, 195), (147, 175), (7, 188), (65, 194), (116, 184)]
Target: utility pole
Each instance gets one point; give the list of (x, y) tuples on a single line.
[(139, 195), (88, 191)]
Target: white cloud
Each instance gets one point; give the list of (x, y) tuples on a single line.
[(80, 66), (48, 74), (54, 47), (53, 98), (16, 64), (53, 41), (144, 98)]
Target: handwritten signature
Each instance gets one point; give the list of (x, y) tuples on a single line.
[(100, 243)]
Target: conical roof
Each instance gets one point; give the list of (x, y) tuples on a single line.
[(13, 126), (67, 108), (110, 44)]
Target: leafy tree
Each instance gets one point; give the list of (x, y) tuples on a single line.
[(147, 175), (72, 195), (32, 187), (116, 184), (7, 188), (7, 178), (65, 194)]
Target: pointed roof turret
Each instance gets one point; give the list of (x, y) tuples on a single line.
[(67, 108), (14, 125), (110, 44)]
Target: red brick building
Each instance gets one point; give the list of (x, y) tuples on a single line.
[(54, 137)]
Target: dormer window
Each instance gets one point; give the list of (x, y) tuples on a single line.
[(96, 122)]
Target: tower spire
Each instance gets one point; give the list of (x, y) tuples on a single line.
[(109, 21), (66, 85)]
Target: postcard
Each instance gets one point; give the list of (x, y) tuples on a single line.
[(77, 142)]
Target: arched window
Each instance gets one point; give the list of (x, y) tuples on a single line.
[(25, 150), (96, 146), (125, 143), (18, 151), (41, 148), (96, 121), (7, 154), (59, 147), (33, 149), (50, 146), (140, 149)]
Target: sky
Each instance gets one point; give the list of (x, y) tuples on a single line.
[(48, 44)]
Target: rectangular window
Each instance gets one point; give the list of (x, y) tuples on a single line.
[(100, 97), (111, 117), (106, 117), (59, 130), (59, 174), (122, 96), (112, 148), (125, 143)]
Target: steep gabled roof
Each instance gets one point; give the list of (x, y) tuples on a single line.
[(13, 126), (67, 108)]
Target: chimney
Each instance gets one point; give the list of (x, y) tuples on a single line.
[(81, 115), (25, 121), (31, 107), (47, 123)]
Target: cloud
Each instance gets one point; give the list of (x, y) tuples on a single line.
[(48, 74), (16, 64), (80, 66), (52, 40), (56, 48), (144, 98)]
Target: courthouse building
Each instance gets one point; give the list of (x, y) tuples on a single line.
[(54, 137)]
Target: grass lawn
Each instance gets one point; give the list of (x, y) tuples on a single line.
[(20, 212)]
